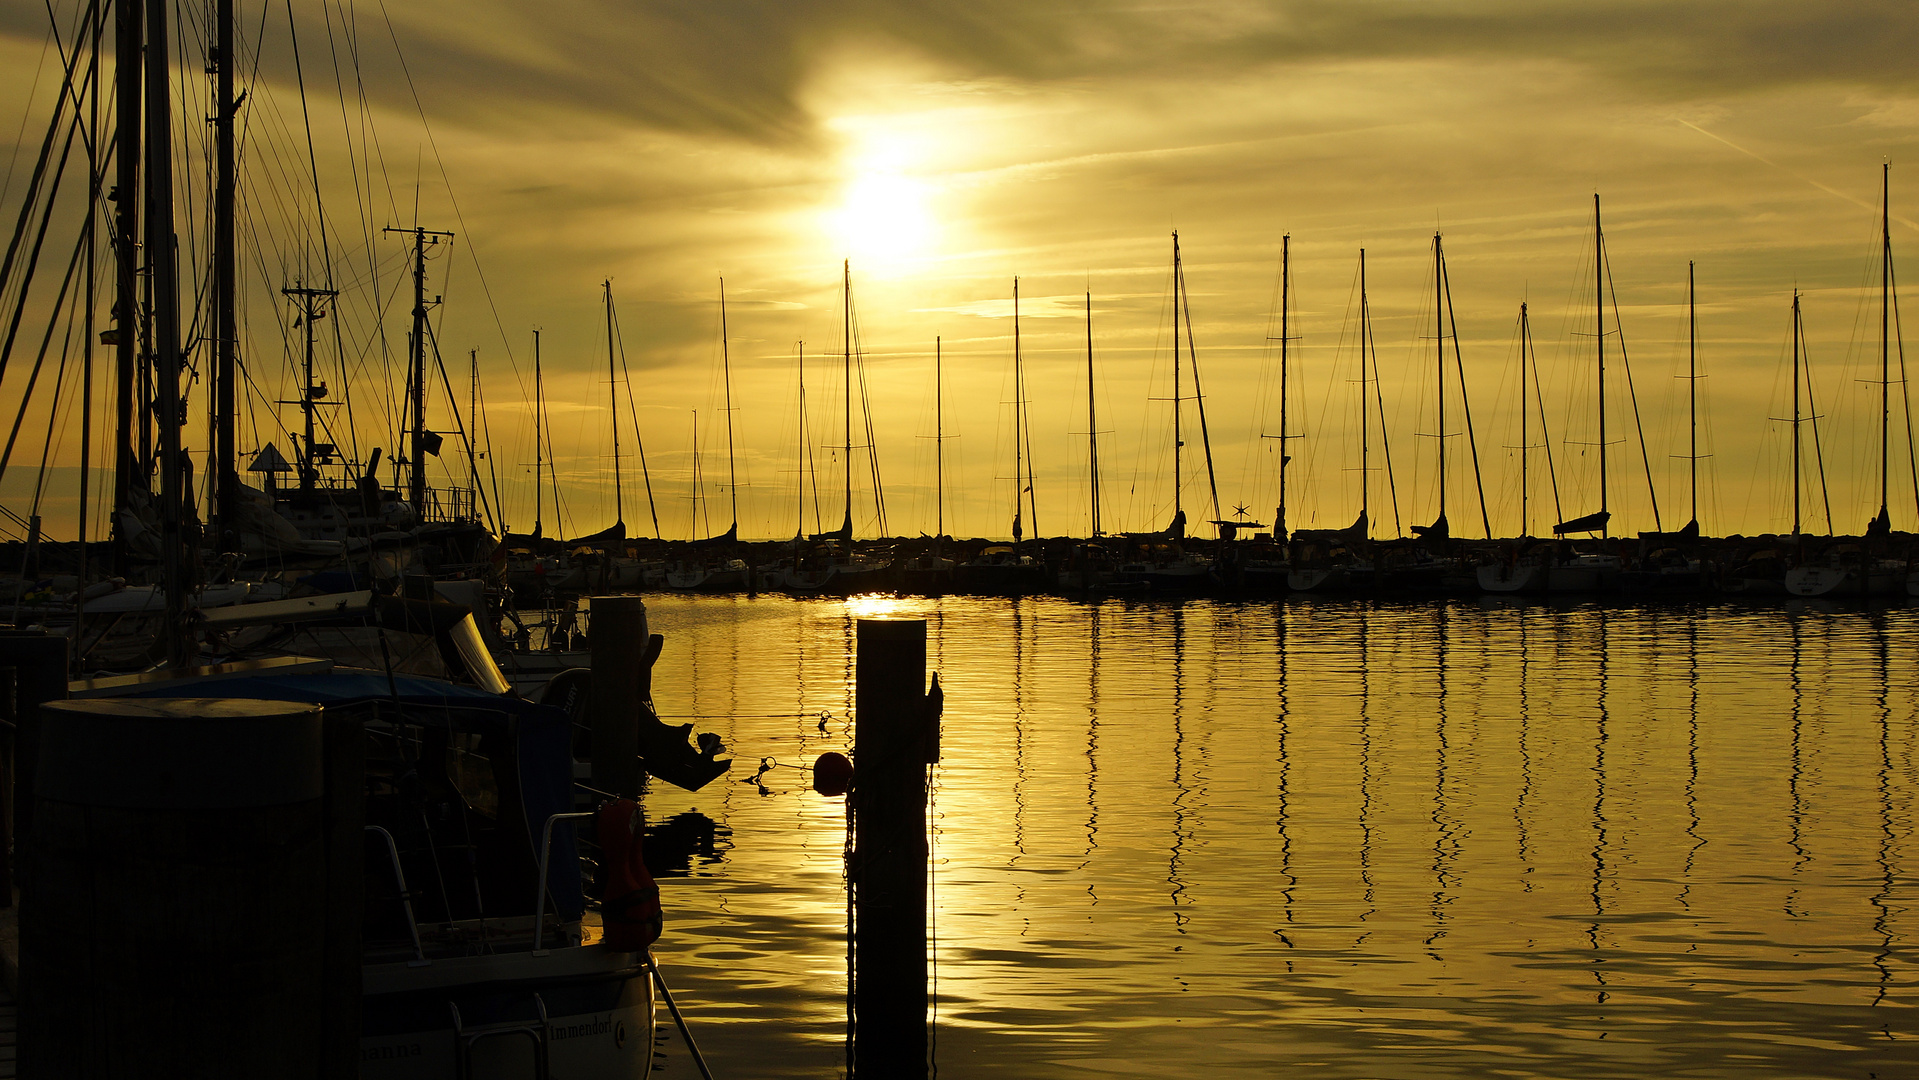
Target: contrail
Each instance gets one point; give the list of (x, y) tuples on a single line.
[(1767, 161)]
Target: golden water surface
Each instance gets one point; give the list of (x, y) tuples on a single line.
[(1345, 839)]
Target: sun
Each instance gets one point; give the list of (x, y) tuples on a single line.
[(885, 218)]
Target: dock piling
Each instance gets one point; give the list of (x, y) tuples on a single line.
[(894, 739), (623, 654)]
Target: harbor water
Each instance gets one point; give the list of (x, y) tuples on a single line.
[(1345, 838)]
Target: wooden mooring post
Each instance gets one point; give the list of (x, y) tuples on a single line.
[(895, 738), (623, 653)]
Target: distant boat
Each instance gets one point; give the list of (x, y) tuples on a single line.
[(1855, 569), (1336, 560), (1011, 570), (1160, 561)]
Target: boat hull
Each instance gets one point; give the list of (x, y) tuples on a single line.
[(1504, 577), (588, 1010)]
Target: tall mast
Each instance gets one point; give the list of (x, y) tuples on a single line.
[(128, 16), (1525, 517), (699, 485), (311, 311), (1692, 387), (726, 374), (1365, 443), (1285, 340), (1439, 345), (1885, 331), (163, 272), (473, 440), (416, 380), (1795, 412), (226, 477), (90, 238), (1092, 417), (416, 369), (1178, 512), (1599, 334), (799, 463), (612, 382), (846, 345), (939, 447), (539, 433), (1019, 395)]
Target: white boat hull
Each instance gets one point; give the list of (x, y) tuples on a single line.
[(1506, 577), (1842, 581), (587, 1010)]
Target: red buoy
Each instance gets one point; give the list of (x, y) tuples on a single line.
[(832, 774)]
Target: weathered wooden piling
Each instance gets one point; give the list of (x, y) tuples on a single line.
[(895, 737), (177, 916), (622, 678)]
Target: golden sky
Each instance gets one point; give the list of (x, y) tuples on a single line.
[(947, 148)]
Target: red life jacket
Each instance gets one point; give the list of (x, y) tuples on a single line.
[(629, 900)]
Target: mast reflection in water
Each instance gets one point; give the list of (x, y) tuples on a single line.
[(1370, 840)]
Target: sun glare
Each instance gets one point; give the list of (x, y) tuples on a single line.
[(885, 216)]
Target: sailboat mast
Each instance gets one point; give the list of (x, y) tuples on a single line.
[(1885, 331), (473, 410), (1092, 418), (1599, 334), (939, 446), (799, 463), (539, 440), (226, 477), (846, 345), (1285, 340), (699, 485), (162, 269), (1795, 413), (726, 373), (1178, 512), (126, 300), (1365, 441), (1439, 347), (416, 379), (1019, 446), (1525, 490), (1692, 386), (613, 388)]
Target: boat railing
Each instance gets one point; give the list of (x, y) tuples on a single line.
[(539, 903), (406, 898), (538, 1032)]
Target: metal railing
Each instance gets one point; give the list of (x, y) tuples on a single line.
[(539, 903), (406, 898)]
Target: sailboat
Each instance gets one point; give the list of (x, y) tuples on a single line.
[(1763, 572), (848, 570), (1431, 566), (1013, 570), (1670, 564), (798, 571), (475, 950), (1591, 571), (1853, 569), (1089, 565), (1330, 560), (931, 573), (1522, 566), (1160, 560), (717, 569)]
